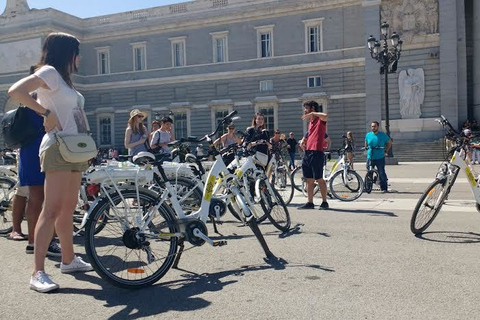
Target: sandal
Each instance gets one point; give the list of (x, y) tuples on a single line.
[(17, 236)]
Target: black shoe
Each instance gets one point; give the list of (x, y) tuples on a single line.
[(324, 206), (307, 205), (29, 249)]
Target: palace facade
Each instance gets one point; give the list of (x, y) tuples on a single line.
[(202, 59)]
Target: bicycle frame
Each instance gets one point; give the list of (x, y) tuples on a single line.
[(335, 167), (459, 160)]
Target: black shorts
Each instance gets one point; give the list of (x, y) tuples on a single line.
[(312, 164)]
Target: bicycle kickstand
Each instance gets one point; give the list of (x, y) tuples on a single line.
[(214, 222), (181, 244)]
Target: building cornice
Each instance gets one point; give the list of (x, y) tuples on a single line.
[(157, 20)]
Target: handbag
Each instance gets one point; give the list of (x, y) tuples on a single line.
[(17, 128), (80, 147), (76, 148)]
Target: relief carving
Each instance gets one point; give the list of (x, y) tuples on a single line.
[(411, 84), (411, 17)]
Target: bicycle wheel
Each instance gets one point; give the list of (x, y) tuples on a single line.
[(428, 206), (282, 182), (346, 186), (297, 178), (277, 211), (120, 253), (7, 191), (368, 182)]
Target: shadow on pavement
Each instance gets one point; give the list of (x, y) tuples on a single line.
[(450, 237), (176, 295), (361, 211)]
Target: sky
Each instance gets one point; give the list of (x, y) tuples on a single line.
[(93, 8)]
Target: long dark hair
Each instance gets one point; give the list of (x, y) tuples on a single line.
[(59, 51), (254, 120)]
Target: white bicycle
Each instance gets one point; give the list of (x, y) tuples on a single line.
[(435, 196), (345, 184), (139, 241)]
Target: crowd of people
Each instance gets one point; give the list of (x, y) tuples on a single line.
[(51, 183)]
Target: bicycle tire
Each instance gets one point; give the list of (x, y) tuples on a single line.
[(300, 183), (234, 210), (297, 179), (284, 185), (421, 219), (348, 190), (7, 191), (78, 219), (368, 182), (110, 251), (276, 209)]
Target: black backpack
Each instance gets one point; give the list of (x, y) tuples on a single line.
[(17, 128)]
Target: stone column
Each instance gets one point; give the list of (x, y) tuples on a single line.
[(476, 59), (463, 112), (448, 60), (373, 84)]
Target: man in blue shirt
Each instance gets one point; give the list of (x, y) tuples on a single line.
[(378, 144)]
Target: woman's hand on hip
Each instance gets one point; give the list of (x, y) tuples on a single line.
[(51, 122)]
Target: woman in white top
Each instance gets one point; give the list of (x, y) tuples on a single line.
[(62, 108)]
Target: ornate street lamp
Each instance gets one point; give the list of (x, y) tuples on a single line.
[(388, 58)]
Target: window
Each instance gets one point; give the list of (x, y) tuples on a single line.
[(220, 46), (105, 129), (219, 115), (139, 56), (265, 41), (313, 35), (180, 125), (269, 113), (103, 60), (313, 39), (266, 85), (178, 51), (314, 82)]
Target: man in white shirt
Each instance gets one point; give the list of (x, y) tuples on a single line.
[(163, 136)]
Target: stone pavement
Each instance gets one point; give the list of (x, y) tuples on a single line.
[(358, 260)]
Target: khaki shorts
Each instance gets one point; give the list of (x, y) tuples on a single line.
[(52, 160), (22, 192)]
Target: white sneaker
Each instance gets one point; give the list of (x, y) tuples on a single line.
[(41, 282), (77, 265)]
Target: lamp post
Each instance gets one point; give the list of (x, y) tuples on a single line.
[(388, 58)]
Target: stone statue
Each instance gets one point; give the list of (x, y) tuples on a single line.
[(16, 6), (411, 83)]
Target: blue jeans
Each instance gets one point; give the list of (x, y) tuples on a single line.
[(380, 164), (292, 160)]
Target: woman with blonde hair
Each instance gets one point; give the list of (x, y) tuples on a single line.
[(62, 108), (136, 134)]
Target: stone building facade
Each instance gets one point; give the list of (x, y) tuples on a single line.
[(201, 59)]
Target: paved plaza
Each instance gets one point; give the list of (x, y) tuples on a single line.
[(358, 260)]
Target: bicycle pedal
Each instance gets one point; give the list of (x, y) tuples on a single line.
[(219, 243)]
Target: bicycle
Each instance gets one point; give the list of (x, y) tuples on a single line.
[(8, 183), (371, 177), (345, 184), (258, 190), (436, 194), (281, 178), (141, 240)]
